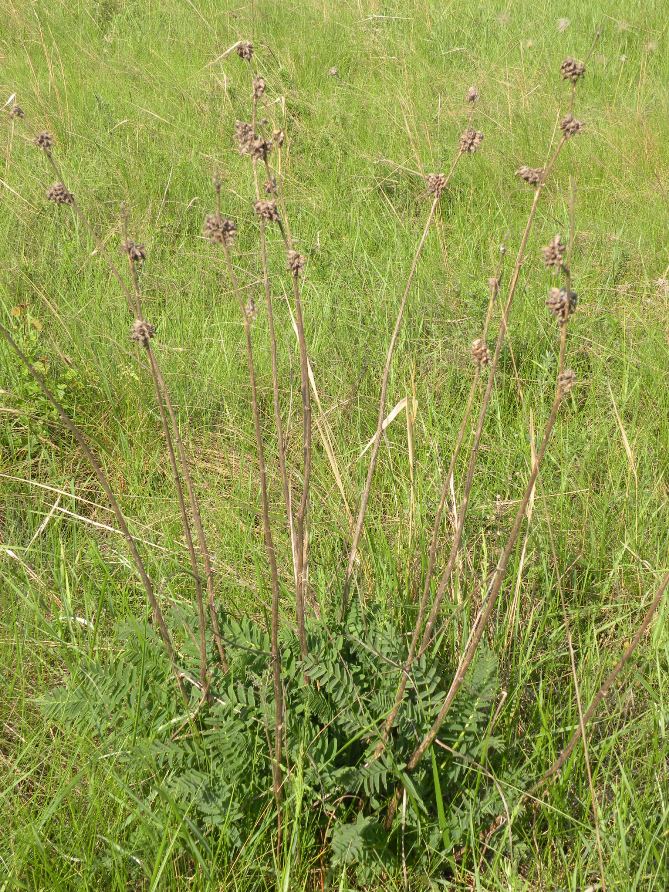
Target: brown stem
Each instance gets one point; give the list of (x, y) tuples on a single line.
[(82, 442), (473, 456), (364, 500), (486, 611), (301, 536), (406, 669), (269, 543), (605, 687)]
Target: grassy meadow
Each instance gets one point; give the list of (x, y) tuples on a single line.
[(142, 101)]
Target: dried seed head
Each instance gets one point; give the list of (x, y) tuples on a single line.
[(334, 71), (296, 262), (260, 148), (572, 70), (493, 285), (561, 303), (570, 126), (267, 210), (244, 137), (480, 352), (250, 310), (270, 186), (472, 94), (60, 194), (259, 86), (470, 140), (245, 50), (554, 253), (566, 380), (436, 183), (219, 230), (531, 175), (278, 138), (17, 112), (44, 141), (136, 253), (142, 332)]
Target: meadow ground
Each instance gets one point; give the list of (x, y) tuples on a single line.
[(143, 109)]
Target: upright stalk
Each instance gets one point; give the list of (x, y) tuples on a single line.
[(406, 668), (89, 455), (269, 543), (473, 456), (364, 500)]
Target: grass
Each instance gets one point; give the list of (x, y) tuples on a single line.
[(143, 113)]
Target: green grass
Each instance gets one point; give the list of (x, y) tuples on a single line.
[(143, 113)]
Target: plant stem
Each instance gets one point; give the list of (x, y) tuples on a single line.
[(473, 456), (406, 668), (88, 453), (364, 500), (269, 545)]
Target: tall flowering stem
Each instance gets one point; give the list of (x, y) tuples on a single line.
[(437, 183)]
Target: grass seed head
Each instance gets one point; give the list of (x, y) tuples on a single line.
[(531, 175), (142, 332), (16, 112), (60, 194), (570, 126), (296, 262), (267, 210), (259, 86), (554, 253), (219, 230), (561, 303), (472, 95), (480, 352), (270, 186), (572, 70), (470, 140), (44, 141), (278, 138), (245, 50)]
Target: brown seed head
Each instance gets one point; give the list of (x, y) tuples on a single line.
[(260, 148), (334, 71), (267, 210), (278, 138), (480, 352), (570, 126), (259, 86), (493, 285), (566, 381), (554, 253), (470, 140), (270, 186), (531, 175), (250, 310), (245, 50), (60, 194), (244, 137), (472, 95), (572, 70), (44, 141), (136, 253), (436, 183), (17, 112), (296, 262), (142, 332), (219, 230), (561, 303)]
